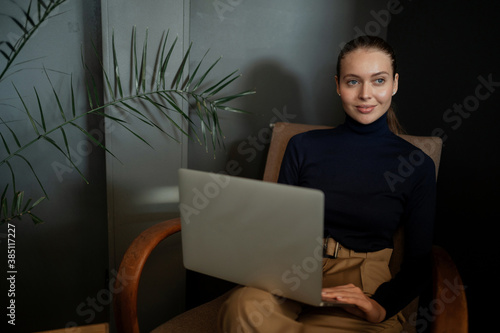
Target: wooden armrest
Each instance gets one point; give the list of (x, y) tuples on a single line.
[(129, 273), (449, 303)]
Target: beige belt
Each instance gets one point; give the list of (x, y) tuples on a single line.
[(333, 249)]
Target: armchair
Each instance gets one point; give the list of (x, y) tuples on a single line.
[(448, 308)]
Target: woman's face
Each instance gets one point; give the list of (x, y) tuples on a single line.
[(366, 84)]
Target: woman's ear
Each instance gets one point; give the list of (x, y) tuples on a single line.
[(337, 83), (395, 84)]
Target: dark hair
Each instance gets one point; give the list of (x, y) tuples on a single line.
[(373, 42)]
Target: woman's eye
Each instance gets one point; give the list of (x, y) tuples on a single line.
[(352, 82), (379, 81)]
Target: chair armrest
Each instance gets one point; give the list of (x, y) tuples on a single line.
[(449, 303), (130, 270)]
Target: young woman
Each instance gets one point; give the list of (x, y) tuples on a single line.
[(368, 195)]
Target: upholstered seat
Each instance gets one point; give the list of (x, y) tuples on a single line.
[(452, 314)]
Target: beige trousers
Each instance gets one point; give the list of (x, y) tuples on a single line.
[(251, 310)]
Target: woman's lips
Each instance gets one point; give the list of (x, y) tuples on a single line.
[(365, 108)]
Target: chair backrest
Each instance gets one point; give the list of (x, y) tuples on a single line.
[(282, 132)]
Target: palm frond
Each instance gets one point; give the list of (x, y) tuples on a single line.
[(157, 100), (28, 26), (18, 208)]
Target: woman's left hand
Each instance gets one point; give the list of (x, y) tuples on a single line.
[(365, 307)]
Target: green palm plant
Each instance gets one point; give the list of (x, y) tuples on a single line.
[(157, 92)]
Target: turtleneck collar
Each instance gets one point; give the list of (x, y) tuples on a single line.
[(378, 127)]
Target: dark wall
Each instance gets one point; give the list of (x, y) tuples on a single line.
[(450, 87), (448, 52)]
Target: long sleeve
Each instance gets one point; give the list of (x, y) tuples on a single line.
[(289, 171), (416, 270)]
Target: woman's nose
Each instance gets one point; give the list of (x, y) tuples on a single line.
[(364, 92)]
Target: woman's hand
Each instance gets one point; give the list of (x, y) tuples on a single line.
[(365, 307)]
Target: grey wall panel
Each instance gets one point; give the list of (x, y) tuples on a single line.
[(285, 49), (142, 182)]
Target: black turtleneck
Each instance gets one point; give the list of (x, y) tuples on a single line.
[(373, 181)]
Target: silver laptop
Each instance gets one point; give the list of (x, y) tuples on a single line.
[(254, 233)]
